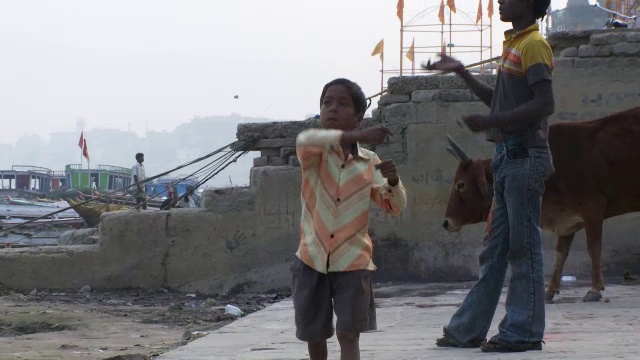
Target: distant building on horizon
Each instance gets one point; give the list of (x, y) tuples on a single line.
[(581, 15)]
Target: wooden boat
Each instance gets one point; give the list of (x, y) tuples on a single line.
[(91, 211), (117, 198), (21, 201), (75, 222)]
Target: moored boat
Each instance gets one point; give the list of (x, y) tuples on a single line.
[(91, 211), (21, 201)]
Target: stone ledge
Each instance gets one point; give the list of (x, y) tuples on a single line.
[(406, 85), (274, 144), (565, 39), (281, 134), (593, 51), (626, 49)]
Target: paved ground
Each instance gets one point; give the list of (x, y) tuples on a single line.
[(410, 317)]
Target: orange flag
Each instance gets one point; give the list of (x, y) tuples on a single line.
[(441, 12), (411, 52), (452, 5), (479, 16), (490, 9), (400, 10), (379, 49)]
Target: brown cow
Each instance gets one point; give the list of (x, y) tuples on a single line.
[(597, 177)]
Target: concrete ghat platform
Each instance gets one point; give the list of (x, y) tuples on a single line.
[(410, 317)]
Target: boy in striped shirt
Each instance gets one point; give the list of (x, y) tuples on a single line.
[(340, 179)]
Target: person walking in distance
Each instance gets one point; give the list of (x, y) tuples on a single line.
[(138, 177), (520, 103)]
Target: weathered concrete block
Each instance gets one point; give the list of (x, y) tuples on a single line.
[(408, 84), (452, 81), (388, 99), (425, 95), (377, 112), (455, 95), (569, 52), (563, 39), (266, 152), (293, 161), (564, 62), (225, 200), (625, 49), (590, 63), (79, 237), (261, 161), (397, 113), (632, 36), (278, 161), (285, 152), (426, 112), (632, 63), (607, 38), (274, 143), (274, 130), (594, 51)]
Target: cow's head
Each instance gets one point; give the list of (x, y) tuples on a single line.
[(471, 193)]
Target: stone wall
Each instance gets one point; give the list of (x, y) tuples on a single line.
[(244, 238)]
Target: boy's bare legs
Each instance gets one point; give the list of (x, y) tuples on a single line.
[(317, 350), (349, 345)]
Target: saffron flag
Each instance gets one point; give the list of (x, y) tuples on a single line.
[(81, 142), (400, 10), (452, 5), (411, 52), (85, 151), (441, 12), (479, 16), (490, 9), (379, 49)]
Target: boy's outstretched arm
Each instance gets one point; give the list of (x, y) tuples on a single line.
[(312, 143)]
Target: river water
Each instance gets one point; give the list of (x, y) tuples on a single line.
[(42, 235)]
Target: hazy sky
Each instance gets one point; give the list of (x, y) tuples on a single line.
[(158, 63)]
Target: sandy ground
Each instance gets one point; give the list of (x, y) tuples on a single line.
[(122, 324)]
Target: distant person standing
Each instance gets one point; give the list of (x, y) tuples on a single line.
[(137, 177)]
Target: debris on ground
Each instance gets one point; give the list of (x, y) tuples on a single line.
[(113, 324)]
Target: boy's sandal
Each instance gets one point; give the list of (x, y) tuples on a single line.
[(491, 346)]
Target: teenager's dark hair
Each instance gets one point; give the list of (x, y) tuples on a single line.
[(359, 100), (139, 155), (540, 8)]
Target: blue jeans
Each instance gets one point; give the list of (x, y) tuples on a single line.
[(512, 238)]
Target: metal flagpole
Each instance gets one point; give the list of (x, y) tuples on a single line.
[(481, 47), (382, 72), (450, 31), (401, 43)]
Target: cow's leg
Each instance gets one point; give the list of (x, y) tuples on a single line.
[(563, 245), (593, 229)]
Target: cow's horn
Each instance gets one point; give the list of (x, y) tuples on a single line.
[(453, 153), (464, 158)]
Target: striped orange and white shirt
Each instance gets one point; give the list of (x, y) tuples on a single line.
[(336, 198)]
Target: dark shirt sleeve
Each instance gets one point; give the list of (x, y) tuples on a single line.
[(537, 61)]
